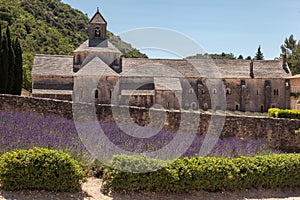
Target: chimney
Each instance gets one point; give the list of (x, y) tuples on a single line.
[(251, 69)]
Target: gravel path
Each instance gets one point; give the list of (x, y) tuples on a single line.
[(91, 191)]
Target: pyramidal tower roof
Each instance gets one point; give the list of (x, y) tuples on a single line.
[(97, 18)]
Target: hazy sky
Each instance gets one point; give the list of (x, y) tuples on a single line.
[(232, 26)]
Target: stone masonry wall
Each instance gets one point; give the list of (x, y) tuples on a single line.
[(277, 133)]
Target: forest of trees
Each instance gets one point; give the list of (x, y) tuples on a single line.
[(52, 27), (11, 69), (49, 27), (259, 56)]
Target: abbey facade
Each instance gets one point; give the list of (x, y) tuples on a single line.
[(97, 73)]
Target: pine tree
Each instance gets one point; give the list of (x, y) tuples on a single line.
[(259, 55), (18, 73), (240, 57), (11, 63), (4, 65)]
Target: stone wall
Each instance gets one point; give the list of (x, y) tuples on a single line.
[(278, 133)]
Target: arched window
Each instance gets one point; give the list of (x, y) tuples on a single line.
[(257, 92), (191, 90), (262, 108), (194, 106), (96, 94), (214, 91), (97, 32), (228, 91)]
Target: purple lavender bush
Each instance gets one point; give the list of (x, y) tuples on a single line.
[(24, 130)]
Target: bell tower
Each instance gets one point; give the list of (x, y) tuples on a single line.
[(97, 31)]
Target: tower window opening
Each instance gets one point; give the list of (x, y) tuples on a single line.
[(97, 32)]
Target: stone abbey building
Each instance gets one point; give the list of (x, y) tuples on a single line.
[(97, 73)]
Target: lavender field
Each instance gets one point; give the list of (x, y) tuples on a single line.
[(21, 130)]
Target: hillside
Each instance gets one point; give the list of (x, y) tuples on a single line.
[(49, 27)]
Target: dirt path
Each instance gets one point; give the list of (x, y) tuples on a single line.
[(91, 191)]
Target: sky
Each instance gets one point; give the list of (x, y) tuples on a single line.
[(232, 26)]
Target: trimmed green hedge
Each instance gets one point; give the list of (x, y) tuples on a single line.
[(278, 113), (210, 174), (40, 168)]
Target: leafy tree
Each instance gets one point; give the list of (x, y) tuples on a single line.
[(292, 49), (248, 58), (259, 55), (240, 57), (49, 27)]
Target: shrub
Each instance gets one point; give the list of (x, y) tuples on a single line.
[(210, 174), (40, 168), (277, 113)]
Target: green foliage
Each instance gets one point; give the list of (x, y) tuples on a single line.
[(259, 55), (49, 27), (11, 64), (278, 113), (40, 168), (18, 69), (223, 55), (211, 174), (292, 48), (3, 64), (296, 95)]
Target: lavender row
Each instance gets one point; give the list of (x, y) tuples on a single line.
[(23, 130)]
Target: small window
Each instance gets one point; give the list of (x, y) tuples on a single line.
[(194, 105), (97, 32), (96, 94), (228, 91), (110, 94), (262, 108), (257, 92), (237, 107), (243, 82), (191, 91), (214, 91), (203, 91)]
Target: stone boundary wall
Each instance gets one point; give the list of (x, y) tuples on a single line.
[(277, 133)]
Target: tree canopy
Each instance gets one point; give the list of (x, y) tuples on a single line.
[(49, 27), (292, 48)]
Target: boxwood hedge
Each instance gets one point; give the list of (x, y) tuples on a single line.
[(210, 174), (40, 168), (278, 113)]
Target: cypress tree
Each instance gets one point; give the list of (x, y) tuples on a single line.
[(18, 74), (11, 63), (259, 55), (4, 65)]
